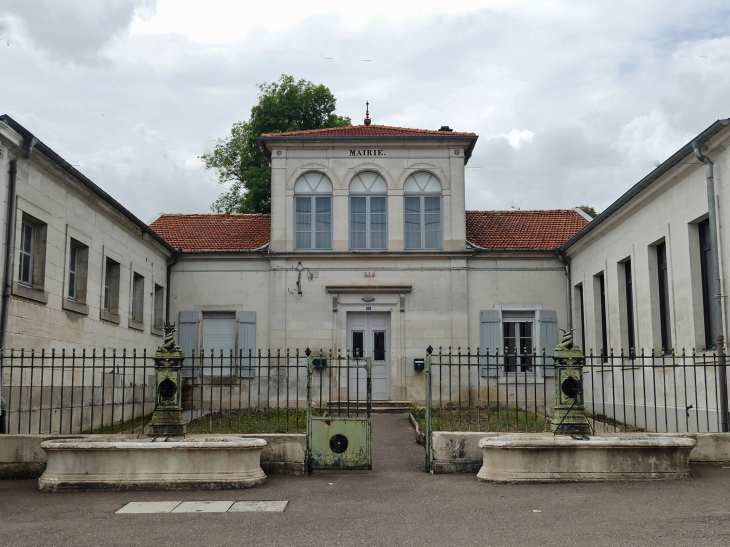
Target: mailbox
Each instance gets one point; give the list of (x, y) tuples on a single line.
[(419, 364), (319, 362)]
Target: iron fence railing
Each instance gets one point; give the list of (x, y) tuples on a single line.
[(515, 392), (107, 391)]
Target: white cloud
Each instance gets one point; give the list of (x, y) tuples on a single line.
[(134, 91)]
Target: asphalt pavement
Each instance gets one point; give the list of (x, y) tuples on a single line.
[(395, 504)]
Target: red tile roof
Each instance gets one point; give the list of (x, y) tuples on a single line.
[(539, 230), (522, 229), (369, 131), (218, 232)]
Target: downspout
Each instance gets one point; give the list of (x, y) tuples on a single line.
[(175, 258), (568, 299), (716, 286), (8, 281)]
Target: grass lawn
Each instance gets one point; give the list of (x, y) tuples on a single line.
[(485, 418)]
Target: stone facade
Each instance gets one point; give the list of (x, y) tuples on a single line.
[(64, 212)]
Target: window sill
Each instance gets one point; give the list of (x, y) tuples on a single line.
[(70, 305), (37, 295), (136, 325), (157, 331), (108, 316)]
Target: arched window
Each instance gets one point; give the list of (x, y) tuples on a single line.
[(313, 211), (422, 213), (368, 215)]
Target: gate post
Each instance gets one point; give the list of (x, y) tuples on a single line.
[(308, 447), (427, 432)]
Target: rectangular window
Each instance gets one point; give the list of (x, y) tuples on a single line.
[(32, 257), (517, 343), (73, 269), (368, 222), (358, 343), (706, 269), (664, 319), (26, 254), (137, 298), (111, 286), (601, 317), (630, 308), (313, 222), (158, 320), (581, 321), (219, 334), (422, 222)]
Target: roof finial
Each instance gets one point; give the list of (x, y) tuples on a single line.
[(367, 113)]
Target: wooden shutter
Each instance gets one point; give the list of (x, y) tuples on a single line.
[(246, 343), (489, 338), (188, 339), (548, 322)]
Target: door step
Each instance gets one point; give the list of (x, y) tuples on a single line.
[(377, 407)]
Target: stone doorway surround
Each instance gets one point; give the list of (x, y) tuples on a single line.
[(374, 297)]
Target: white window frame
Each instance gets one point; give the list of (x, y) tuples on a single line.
[(310, 186), (522, 314), (368, 194), (73, 272), (422, 194)]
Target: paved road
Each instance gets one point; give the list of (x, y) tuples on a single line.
[(395, 504)]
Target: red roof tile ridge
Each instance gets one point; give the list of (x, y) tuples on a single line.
[(368, 128)]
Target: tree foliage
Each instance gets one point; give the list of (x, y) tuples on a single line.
[(589, 210), (237, 159)]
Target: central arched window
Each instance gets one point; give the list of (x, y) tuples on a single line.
[(422, 202), (368, 214), (313, 211)]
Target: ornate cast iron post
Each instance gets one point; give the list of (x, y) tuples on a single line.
[(167, 417), (569, 417)]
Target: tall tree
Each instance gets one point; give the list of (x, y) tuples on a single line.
[(237, 159)]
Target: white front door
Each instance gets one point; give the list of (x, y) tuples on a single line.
[(368, 335)]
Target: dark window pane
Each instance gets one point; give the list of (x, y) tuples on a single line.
[(432, 204), (304, 205), (379, 345), (358, 205), (358, 347), (413, 205), (377, 204)]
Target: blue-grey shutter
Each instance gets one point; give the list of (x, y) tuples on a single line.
[(188, 339), (489, 338), (548, 321), (246, 343)]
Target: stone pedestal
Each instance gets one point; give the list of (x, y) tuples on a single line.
[(198, 461), (167, 418), (527, 457)]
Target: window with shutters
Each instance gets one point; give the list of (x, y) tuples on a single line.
[(512, 342), (219, 343)]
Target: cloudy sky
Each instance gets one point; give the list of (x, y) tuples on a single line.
[(573, 101)]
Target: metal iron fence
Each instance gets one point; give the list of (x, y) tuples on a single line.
[(514, 392), (107, 391)]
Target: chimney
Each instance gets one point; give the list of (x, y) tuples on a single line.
[(446, 128)]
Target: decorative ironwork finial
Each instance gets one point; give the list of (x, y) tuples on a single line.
[(307, 352), (367, 113), (429, 349), (169, 342)]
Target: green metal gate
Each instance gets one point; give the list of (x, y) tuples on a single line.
[(339, 402)]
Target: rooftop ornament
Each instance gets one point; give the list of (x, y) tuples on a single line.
[(167, 419), (367, 113)]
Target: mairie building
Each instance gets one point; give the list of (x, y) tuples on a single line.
[(370, 248)]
